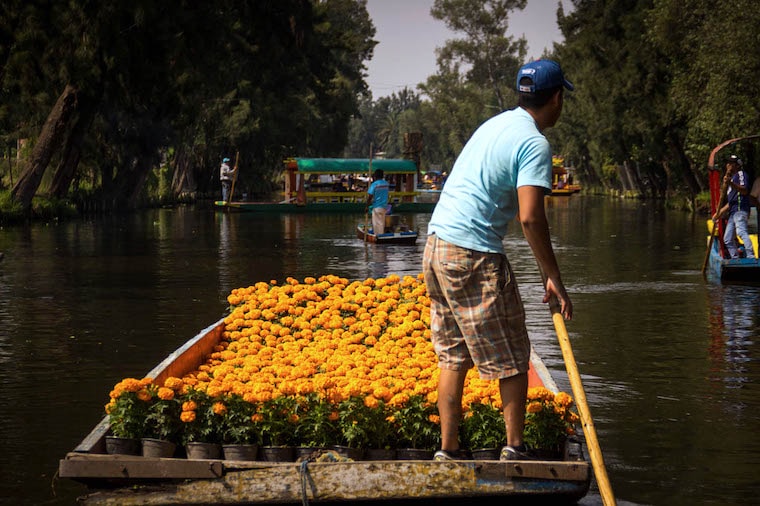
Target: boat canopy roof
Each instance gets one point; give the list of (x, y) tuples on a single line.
[(355, 165)]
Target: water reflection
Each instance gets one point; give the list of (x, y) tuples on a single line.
[(733, 323), (669, 363)]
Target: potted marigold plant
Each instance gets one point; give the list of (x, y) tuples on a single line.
[(317, 424), (381, 431), (548, 422), (483, 431), (419, 428), (241, 433), (162, 423), (354, 417), (202, 424), (127, 411), (278, 420)]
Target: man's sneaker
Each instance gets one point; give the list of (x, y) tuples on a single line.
[(516, 453), (460, 454)]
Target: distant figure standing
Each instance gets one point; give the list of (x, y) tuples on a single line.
[(225, 175), (377, 201), (737, 206)]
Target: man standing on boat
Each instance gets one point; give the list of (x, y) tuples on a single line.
[(737, 205), (225, 175), (477, 315), (377, 201)]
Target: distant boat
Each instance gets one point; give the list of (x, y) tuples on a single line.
[(340, 185), (399, 237), (732, 270), (718, 266), (563, 179)]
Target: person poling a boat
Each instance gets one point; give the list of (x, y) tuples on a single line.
[(226, 173), (477, 315), (737, 206), (377, 201)]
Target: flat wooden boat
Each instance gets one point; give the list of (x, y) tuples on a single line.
[(396, 237), (562, 192), (329, 206), (132, 480), (718, 266), (340, 185), (732, 270)]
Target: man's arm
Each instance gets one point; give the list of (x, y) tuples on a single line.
[(532, 217)]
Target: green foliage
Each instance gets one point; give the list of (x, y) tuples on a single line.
[(10, 210), (147, 77), (483, 427), (162, 420), (239, 426), (127, 416), (355, 422), (206, 425), (417, 428), (381, 431), (278, 421), (317, 422)]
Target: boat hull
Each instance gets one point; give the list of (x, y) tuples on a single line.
[(409, 237), (126, 480), (313, 207), (298, 483), (734, 271)]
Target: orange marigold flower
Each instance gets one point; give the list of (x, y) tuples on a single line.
[(187, 416), (165, 394), (174, 383), (189, 406), (144, 395), (219, 408), (534, 407)]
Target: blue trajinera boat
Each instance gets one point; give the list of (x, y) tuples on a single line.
[(731, 270), (718, 266)]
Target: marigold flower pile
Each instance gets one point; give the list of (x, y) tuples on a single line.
[(330, 339)]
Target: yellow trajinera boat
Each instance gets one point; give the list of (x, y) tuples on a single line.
[(357, 348)]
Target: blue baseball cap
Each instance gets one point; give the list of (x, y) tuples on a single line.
[(545, 74), (226, 160)]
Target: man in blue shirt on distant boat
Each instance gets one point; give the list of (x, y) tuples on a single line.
[(477, 316), (377, 201)]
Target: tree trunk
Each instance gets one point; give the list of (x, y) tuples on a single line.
[(138, 177), (64, 174), (182, 177), (690, 177), (49, 140)]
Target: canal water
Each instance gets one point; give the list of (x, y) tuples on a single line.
[(669, 362)]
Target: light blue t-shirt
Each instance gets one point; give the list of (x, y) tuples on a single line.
[(479, 197), (379, 191)]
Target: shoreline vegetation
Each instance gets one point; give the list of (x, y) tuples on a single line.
[(98, 123)]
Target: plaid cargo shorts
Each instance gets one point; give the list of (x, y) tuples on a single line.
[(477, 316)]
